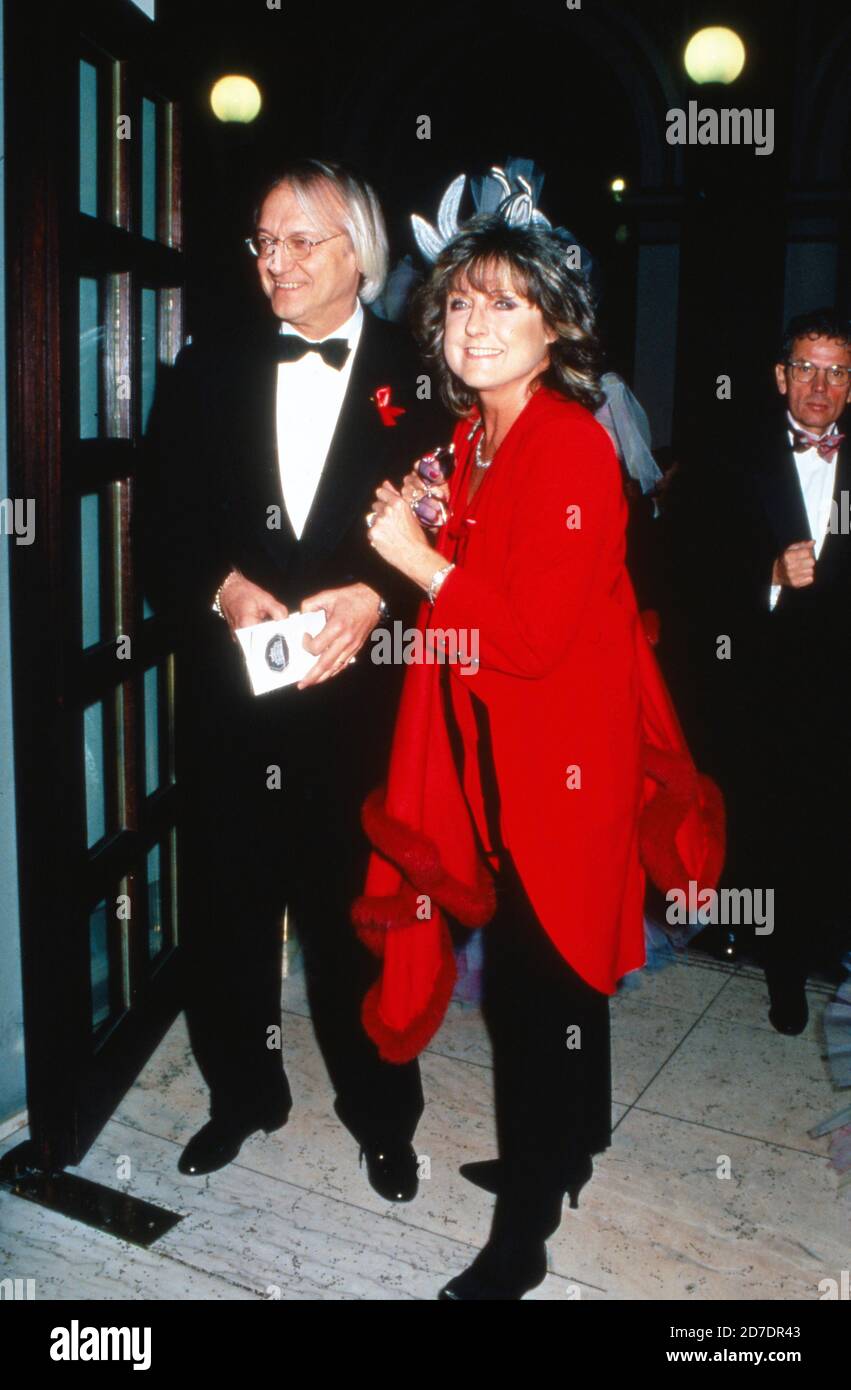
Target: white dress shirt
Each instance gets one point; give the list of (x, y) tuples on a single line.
[(817, 479), (310, 396)]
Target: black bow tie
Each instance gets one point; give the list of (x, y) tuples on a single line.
[(290, 348)]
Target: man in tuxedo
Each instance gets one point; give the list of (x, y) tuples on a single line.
[(774, 707), (800, 493), (264, 452)]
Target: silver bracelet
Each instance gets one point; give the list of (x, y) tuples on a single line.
[(436, 582)]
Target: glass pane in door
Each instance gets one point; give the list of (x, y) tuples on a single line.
[(91, 340), (156, 903), (94, 773), (149, 168), (88, 139), (108, 957), (90, 568), (105, 782), (152, 730), (149, 352), (99, 965)]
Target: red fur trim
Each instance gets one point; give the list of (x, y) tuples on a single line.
[(673, 769), (418, 860), (658, 826), (656, 831), (405, 1046), (382, 913)]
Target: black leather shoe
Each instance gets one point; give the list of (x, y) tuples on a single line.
[(790, 1021), (392, 1171), (789, 1012), (219, 1141)]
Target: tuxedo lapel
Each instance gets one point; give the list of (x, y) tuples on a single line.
[(779, 488), (255, 435), (835, 550), (358, 444)]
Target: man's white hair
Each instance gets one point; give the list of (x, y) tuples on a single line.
[(333, 197)]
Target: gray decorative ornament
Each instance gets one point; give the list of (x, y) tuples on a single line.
[(508, 194)]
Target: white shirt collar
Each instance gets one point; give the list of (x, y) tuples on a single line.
[(350, 330)]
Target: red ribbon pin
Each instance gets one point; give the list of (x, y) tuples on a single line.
[(387, 411)]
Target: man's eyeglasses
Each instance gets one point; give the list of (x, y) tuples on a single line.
[(297, 248), (805, 372)]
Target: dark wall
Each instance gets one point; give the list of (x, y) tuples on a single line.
[(585, 93)]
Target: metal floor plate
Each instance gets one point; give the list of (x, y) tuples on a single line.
[(117, 1213)]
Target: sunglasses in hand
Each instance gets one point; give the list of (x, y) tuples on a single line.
[(434, 468)]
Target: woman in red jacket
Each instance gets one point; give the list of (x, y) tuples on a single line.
[(524, 761)]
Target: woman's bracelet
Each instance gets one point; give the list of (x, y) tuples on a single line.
[(436, 582)]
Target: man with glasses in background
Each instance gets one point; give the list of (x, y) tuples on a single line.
[(795, 562), (263, 455)]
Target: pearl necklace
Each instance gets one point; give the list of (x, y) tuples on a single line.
[(480, 462)]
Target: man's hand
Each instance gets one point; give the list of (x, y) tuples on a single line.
[(350, 615), (244, 603), (796, 567)]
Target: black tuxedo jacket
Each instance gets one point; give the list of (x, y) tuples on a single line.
[(775, 714), (802, 618), (800, 681), (211, 487)]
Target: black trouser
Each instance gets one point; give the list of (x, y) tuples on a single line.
[(253, 849), (803, 862), (795, 835), (553, 1098)]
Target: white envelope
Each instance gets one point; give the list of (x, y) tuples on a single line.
[(274, 653)]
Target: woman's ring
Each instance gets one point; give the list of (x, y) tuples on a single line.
[(370, 520)]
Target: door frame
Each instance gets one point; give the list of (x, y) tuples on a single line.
[(74, 1079)]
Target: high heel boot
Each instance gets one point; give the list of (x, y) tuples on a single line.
[(488, 1175)]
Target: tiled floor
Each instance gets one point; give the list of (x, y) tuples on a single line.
[(702, 1086)]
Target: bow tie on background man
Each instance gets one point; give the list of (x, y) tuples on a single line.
[(288, 347), (826, 445)]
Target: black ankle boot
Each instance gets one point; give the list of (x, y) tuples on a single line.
[(488, 1176), (499, 1274), (787, 995), (515, 1257)]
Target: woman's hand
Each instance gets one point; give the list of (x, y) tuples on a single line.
[(399, 539), (413, 488)]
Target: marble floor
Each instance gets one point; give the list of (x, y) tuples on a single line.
[(699, 1078)]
